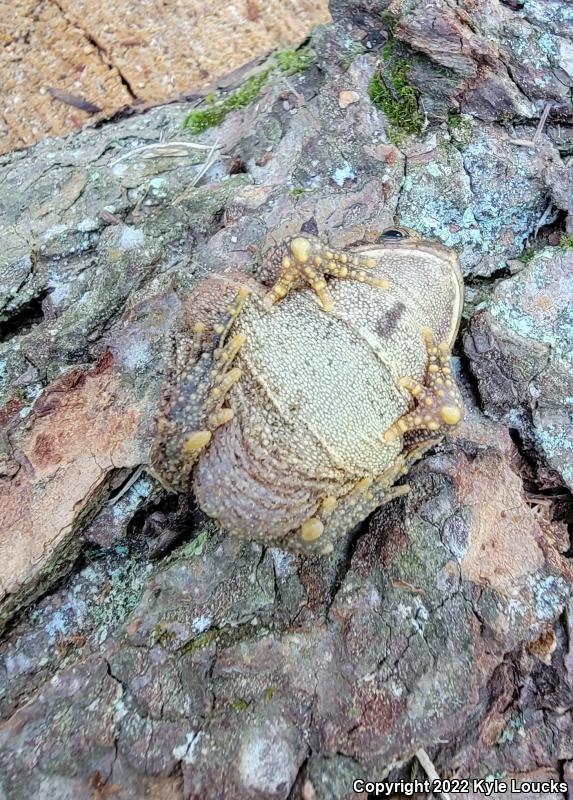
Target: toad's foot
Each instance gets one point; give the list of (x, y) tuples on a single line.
[(439, 403), (199, 377), (337, 515), (305, 260)]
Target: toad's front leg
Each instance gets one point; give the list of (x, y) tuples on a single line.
[(438, 400), (305, 260), (200, 373)]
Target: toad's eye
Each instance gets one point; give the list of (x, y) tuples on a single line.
[(393, 234)]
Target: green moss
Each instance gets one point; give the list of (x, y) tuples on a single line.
[(296, 192), (202, 641), (270, 692), (287, 62), (223, 637), (566, 241), (390, 90), (202, 119), (387, 50), (397, 99), (389, 21), (292, 61), (527, 255), (162, 635), (240, 705)]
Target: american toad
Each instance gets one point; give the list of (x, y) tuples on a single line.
[(293, 411)]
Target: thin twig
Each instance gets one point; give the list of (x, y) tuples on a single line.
[(538, 131), (137, 208), (212, 158), (429, 769), (543, 218), (127, 486), (542, 121), (163, 150), (209, 161)]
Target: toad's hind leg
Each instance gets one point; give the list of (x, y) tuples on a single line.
[(439, 402), (338, 515), (301, 260), (200, 373)]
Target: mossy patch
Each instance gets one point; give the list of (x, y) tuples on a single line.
[(398, 100), (287, 62), (200, 642), (389, 20), (239, 704), (270, 692), (162, 635), (527, 255), (565, 243), (292, 61), (391, 91), (202, 119), (223, 637)]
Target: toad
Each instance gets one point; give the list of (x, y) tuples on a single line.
[(292, 411)]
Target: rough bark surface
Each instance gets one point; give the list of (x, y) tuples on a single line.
[(145, 654)]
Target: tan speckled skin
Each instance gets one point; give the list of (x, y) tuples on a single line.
[(317, 393)]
